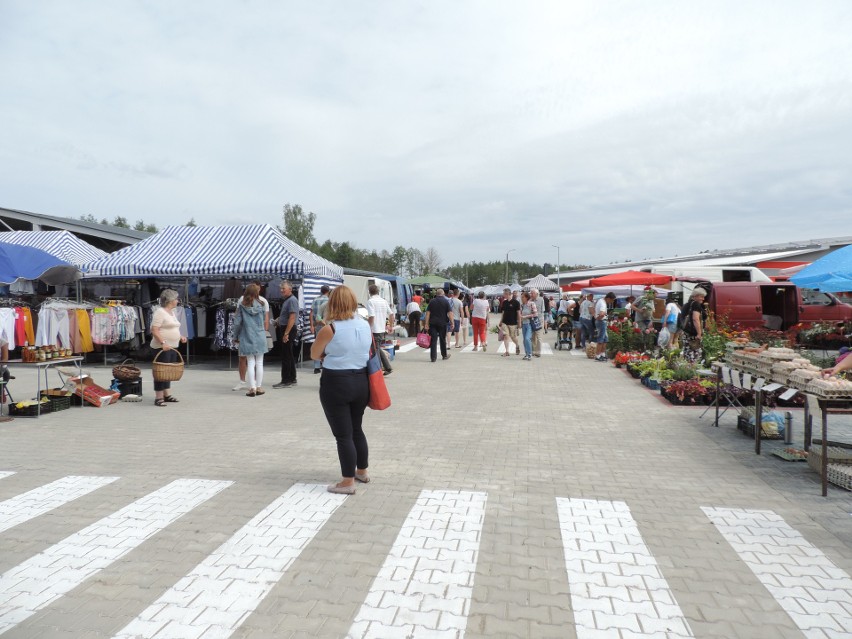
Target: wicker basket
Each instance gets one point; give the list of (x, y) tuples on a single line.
[(167, 372), (126, 371)]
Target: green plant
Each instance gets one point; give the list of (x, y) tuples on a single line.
[(683, 371)]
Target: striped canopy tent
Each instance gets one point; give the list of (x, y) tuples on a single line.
[(541, 283), (61, 244), (250, 250)]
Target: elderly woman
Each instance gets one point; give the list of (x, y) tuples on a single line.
[(250, 337), (343, 345), (165, 331)]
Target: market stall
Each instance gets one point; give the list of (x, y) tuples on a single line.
[(541, 283)]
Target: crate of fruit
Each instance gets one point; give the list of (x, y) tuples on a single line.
[(29, 408)]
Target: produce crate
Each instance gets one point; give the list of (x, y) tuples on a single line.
[(58, 399), (130, 387), (748, 429), (28, 411)]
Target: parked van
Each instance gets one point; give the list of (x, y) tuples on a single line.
[(775, 305), (710, 273), (360, 286)]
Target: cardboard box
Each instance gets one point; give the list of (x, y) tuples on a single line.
[(91, 393)]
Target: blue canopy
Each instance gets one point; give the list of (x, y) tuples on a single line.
[(831, 274), (62, 244), (27, 263)]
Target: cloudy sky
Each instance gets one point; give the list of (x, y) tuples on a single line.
[(616, 130)]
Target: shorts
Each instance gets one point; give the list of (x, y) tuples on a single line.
[(644, 324), (600, 329), (456, 326)]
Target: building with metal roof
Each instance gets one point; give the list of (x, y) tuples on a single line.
[(105, 237)]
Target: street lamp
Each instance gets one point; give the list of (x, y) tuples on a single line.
[(558, 278), (507, 265)]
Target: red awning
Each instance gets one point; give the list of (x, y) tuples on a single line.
[(579, 285), (631, 278)]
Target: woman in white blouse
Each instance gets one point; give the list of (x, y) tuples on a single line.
[(166, 337)]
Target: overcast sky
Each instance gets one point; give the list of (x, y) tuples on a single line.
[(616, 130)]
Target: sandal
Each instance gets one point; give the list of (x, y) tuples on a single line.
[(259, 391), (251, 393), (505, 355), (160, 402), (171, 399)]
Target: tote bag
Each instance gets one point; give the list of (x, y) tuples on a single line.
[(379, 396), (424, 340)]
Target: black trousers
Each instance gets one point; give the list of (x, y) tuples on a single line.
[(288, 358), (413, 323), (166, 357), (344, 396), (438, 332)]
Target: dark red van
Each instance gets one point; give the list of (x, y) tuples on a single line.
[(775, 305)]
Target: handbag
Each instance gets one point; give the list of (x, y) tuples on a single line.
[(424, 340), (535, 322), (379, 396), (269, 342)]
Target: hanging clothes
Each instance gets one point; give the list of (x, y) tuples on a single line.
[(84, 328), (7, 327), (53, 328)]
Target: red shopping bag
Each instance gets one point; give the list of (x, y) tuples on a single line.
[(424, 340), (379, 396)]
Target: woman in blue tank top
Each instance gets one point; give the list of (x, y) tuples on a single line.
[(343, 345)]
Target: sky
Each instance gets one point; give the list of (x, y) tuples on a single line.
[(613, 130)]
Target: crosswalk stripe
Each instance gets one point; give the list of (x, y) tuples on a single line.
[(409, 347), (45, 498), (815, 592), (216, 597), (6, 473), (38, 581), (613, 578), (425, 585), (545, 348)]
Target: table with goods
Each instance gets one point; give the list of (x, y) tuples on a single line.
[(43, 359)]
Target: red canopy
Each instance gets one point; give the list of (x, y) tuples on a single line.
[(630, 278), (579, 285)]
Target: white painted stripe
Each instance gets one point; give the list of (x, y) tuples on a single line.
[(40, 500), (614, 580), (425, 585), (545, 348), (6, 473), (409, 347), (42, 579), (215, 598), (815, 592)]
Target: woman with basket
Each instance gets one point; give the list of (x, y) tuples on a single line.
[(165, 331)]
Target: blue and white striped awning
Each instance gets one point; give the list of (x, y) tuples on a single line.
[(61, 244), (246, 250)]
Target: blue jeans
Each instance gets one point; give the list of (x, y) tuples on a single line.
[(527, 329), (587, 331)]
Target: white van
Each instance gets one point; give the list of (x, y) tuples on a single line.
[(360, 286), (711, 273)]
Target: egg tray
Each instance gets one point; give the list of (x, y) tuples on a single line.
[(836, 456), (828, 393), (840, 475)]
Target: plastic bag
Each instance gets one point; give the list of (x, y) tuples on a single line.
[(664, 337)]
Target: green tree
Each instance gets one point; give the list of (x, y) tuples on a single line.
[(299, 226), (121, 222), (191, 222)]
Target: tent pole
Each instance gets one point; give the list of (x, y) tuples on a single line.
[(185, 304)]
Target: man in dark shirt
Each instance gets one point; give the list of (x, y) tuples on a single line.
[(287, 323), (439, 313), (509, 320)]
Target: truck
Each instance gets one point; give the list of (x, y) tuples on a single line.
[(360, 286), (774, 305)]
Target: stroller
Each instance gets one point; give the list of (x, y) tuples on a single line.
[(564, 332)]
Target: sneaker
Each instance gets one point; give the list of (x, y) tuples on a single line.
[(240, 386), (283, 384), (447, 356), (526, 358), (485, 347)]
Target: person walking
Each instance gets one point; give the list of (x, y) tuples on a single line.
[(414, 314), (692, 324), (250, 337), (670, 320), (528, 311), (461, 305), (316, 319), (380, 315), (165, 338), (439, 313), (537, 300), (479, 319), (602, 307), (243, 364), (587, 327), (287, 323), (509, 320), (343, 346)]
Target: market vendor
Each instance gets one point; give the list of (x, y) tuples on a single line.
[(844, 363)]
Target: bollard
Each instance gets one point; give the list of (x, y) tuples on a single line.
[(788, 427)]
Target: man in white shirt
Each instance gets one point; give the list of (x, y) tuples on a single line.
[(601, 310), (380, 316), (587, 322), (243, 364)]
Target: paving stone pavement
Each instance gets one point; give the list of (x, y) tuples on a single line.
[(546, 498)]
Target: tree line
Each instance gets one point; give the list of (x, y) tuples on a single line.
[(403, 261), (122, 222)]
